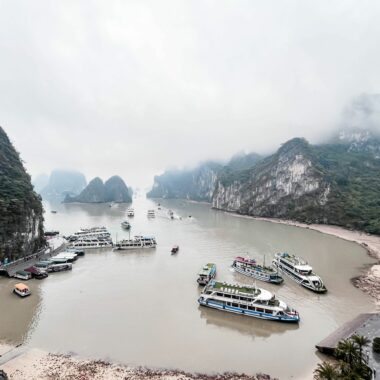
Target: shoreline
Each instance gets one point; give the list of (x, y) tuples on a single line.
[(369, 280), (35, 364)]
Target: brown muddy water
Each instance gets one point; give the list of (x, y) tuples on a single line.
[(140, 307)]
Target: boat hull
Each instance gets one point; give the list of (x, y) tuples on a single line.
[(259, 276), (249, 313)]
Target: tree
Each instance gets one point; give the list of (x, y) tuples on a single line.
[(361, 341), (326, 371)]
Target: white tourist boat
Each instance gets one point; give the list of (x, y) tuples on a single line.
[(137, 242), (249, 267), (299, 271), (151, 214), (91, 242), (95, 232), (130, 212), (246, 300)]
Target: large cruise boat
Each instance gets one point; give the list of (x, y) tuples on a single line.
[(249, 267), (95, 232), (299, 271), (136, 243), (246, 300), (91, 242)]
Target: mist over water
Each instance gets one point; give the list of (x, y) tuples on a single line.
[(140, 307)]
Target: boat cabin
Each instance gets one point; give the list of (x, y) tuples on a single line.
[(21, 289)]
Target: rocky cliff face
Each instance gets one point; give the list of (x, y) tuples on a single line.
[(331, 184), (282, 183), (113, 190), (21, 213), (116, 190)]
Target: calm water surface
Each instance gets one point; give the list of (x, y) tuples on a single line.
[(140, 307)]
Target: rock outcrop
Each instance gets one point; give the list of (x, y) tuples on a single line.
[(21, 212), (113, 190)]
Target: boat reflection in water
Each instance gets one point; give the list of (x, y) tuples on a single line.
[(253, 327)]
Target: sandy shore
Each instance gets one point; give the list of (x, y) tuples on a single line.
[(39, 365), (369, 281)]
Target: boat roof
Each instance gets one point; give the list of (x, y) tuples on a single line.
[(236, 288), (206, 269), (304, 267), (245, 259), (20, 286), (292, 258), (22, 272)]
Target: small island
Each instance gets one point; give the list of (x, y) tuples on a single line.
[(97, 191)]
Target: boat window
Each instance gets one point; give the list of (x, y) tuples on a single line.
[(235, 304), (259, 309), (219, 294), (251, 308), (269, 311), (243, 306), (227, 295)]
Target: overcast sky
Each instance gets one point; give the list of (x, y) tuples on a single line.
[(133, 87)]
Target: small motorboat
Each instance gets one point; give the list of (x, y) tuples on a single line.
[(22, 290), (53, 211), (126, 225), (175, 249)]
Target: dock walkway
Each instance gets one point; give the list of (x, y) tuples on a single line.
[(55, 245)]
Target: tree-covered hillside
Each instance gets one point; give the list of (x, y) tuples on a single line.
[(21, 213)]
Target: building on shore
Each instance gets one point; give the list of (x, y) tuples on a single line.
[(367, 324)]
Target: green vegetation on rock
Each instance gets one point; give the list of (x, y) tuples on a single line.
[(21, 212)]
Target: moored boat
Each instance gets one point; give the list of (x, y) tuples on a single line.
[(87, 243), (37, 273), (22, 275), (246, 300), (206, 274), (299, 271), (22, 290), (130, 212), (249, 267), (137, 242)]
